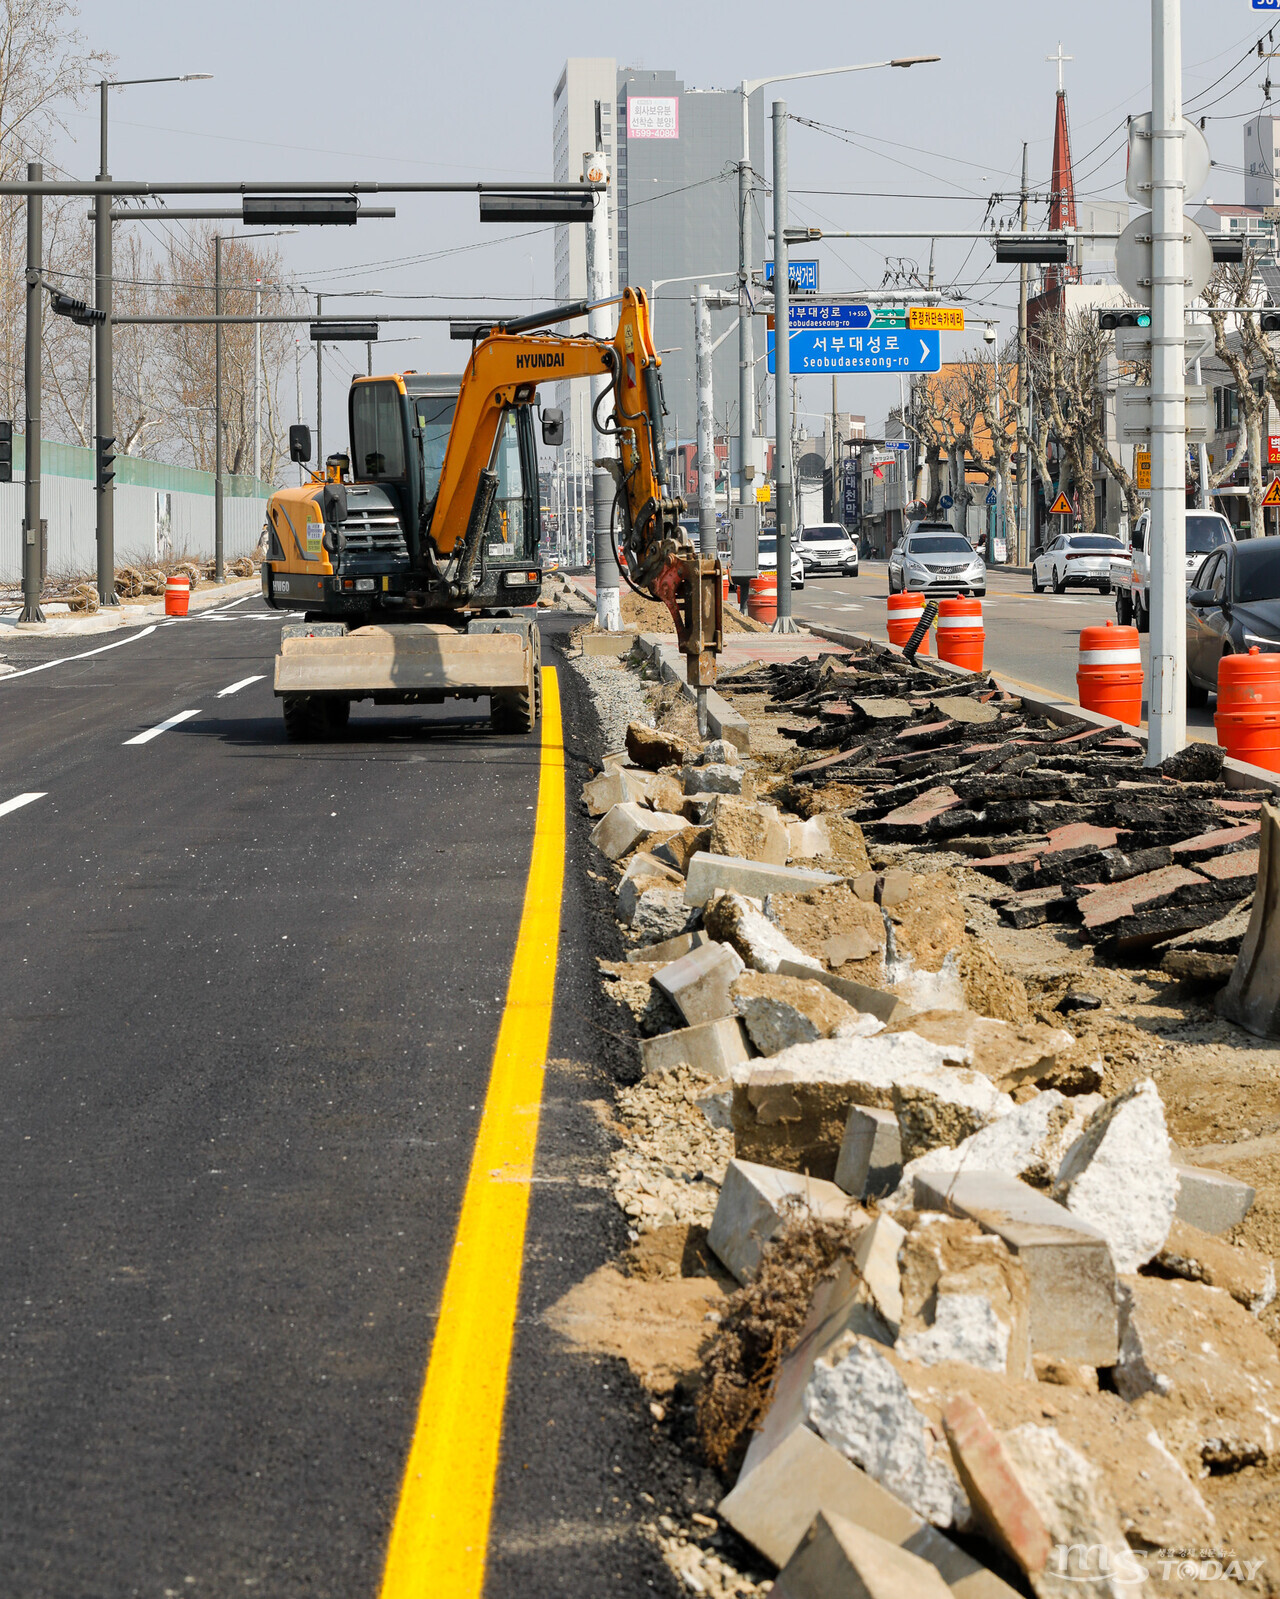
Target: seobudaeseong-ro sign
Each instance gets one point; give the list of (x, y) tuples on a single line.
[(653, 116)]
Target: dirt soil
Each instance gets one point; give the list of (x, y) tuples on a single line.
[(652, 616)]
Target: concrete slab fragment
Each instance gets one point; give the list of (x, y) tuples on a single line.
[(870, 1162), (837, 1559), (732, 874), (699, 983), (1211, 1200), (712, 1048), (755, 1201)]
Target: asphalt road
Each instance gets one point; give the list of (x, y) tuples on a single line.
[(1032, 639), (251, 999)]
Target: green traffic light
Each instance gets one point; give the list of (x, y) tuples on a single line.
[(1144, 321)]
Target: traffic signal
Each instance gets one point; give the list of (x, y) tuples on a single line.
[(106, 461), (6, 452), (1270, 321), (1112, 319)]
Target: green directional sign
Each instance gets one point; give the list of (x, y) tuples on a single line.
[(889, 316)]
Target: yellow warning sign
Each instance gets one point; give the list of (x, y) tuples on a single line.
[(1142, 470), (764, 495), (935, 318), (1272, 496), (1061, 506)]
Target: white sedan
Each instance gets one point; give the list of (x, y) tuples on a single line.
[(768, 561), (1089, 560)]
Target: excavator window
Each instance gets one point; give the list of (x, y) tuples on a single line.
[(505, 533), (434, 418), (377, 432)]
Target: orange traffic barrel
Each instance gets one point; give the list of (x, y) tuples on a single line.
[(177, 595), (905, 610), (960, 633), (1247, 721), (762, 597), (1109, 676)]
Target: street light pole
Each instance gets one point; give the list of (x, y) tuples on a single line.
[(257, 381), (782, 367), (599, 289), (746, 346), (218, 573), (103, 353)]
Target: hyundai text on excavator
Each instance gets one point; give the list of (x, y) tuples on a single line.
[(415, 558)]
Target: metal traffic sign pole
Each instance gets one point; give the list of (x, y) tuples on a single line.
[(31, 611), (782, 379), (1166, 688)]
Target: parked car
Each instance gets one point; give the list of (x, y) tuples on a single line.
[(1233, 606), (769, 557), (934, 560), (1206, 531), (828, 549), (1083, 560)]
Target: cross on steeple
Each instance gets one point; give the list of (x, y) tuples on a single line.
[(1060, 59)]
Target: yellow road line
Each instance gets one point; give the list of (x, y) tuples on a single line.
[(441, 1532)]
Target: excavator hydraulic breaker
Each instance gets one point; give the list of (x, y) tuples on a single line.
[(703, 635)]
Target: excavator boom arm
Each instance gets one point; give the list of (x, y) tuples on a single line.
[(505, 369)]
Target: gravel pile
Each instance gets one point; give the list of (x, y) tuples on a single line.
[(618, 695)]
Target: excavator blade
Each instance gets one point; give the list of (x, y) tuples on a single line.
[(410, 661)]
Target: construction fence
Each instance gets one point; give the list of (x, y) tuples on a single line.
[(160, 511)]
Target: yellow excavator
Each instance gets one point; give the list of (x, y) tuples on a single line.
[(415, 559)]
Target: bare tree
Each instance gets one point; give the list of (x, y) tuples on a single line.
[(1241, 350), (45, 66)]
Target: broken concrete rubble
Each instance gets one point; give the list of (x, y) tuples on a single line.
[(735, 921), (1011, 1054), (965, 1297), (1068, 1262), (1211, 1200), (1119, 1176), (838, 1559), (622, 828), (862, 1407), (870, 1160), (791, 1109), (612, 788), (782, 1011), (670, 949), (756, 1200), (1073, 1503), (744, 830), (699, 983), (712, 1048), (1001, 1505), (709, 873), (652, 748), (657, 912), (773, 1505), (713, 780)]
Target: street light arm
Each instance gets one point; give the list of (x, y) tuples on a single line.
[(750, 85)]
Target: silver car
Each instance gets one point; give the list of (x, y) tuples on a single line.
[(768, 558), (936, 561)]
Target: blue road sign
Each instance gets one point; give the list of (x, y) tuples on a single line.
[(810, 314), (945, 503), (991, 496), (802, 275), (1266, 5), (875, 350)]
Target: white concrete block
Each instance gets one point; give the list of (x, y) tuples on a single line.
[(1119, 1176), (870, 1162), (699, 984), (731, 873), (1210, 1200), (712, 1048), (837, 1559), (626, 824)]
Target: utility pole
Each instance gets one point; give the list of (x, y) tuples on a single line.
[(1166, 682), (105, 484), (1022, 548), (599, 288), (297, 388), (782, 367), (319, 394), (706, 439), (218, 574), (31, 541), (257, 381), (746, 338)]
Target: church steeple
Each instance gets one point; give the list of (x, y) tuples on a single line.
[(1062, 186)]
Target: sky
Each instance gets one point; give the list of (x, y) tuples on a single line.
[(463, 92)]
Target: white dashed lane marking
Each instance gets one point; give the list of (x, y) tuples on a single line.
[(18, 801), (234, 688), (161, 727)]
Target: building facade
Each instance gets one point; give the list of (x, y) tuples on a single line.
[(673, 156)]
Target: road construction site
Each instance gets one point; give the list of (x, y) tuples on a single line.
[(950, 1191)]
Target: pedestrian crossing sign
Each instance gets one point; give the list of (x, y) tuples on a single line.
[(1061, 506), (1272, 496)]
